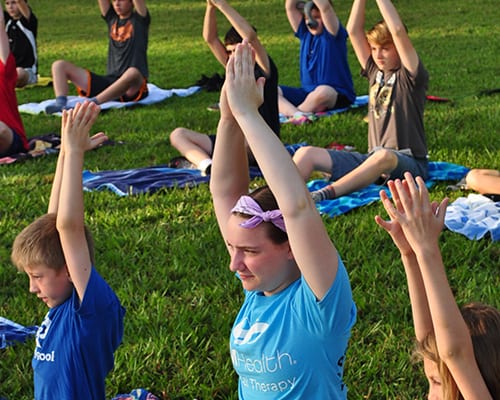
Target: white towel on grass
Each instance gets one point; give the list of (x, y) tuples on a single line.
[(474, 216), (155, 95)]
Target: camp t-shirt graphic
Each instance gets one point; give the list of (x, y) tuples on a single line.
[(289, 345), (121, 32), (128, 43), (41, 334)]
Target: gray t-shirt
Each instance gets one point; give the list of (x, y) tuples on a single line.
[(128, 43), (396, 109)]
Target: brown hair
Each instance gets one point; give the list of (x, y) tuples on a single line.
[(233, 37), (483, 322), (379, 34), (266, 200), (39, 244)]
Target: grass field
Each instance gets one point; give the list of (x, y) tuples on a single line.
[(163, 253)]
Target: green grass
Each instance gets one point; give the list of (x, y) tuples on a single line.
[(163, 254)]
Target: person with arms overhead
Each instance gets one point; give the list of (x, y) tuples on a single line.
[(325, 76), (298, 309), (460, 347), (76, 341), (22, 27), (396, 135), (197, 147), (127, 68)]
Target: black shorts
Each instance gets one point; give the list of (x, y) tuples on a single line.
[(97, 83), (16, 146)]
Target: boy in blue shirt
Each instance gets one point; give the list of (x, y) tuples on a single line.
[(76, 341), (325, 76)]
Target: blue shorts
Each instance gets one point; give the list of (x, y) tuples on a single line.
[(297, 95), (344, 162), (16, 146), (97, 83)]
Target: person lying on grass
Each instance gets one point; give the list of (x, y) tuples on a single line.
[(76, 341), (460, 347), (290, 337)]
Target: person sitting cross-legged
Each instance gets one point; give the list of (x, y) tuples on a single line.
[(127, 68)]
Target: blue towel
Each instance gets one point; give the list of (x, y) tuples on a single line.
[(136, 394), (438, 171), (12, 332), (150, 179), (474, 216), (360, 101)]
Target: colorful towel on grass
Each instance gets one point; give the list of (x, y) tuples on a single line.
[(136, 394), (38, 146), (438, 171), (155, 95), (151, 179), (360, 101), (474, 216), (43, 81), (12, 332)]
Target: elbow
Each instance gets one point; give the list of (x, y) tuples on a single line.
[(399, 30), (456, 351)]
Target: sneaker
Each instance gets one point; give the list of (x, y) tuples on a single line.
[(300, 118), (460, 185), (213, 107), (181, 163), (53, 108)]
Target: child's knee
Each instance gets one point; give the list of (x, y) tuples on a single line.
[(176, 136)]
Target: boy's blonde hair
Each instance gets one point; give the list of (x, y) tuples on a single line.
[(379, 34), (39, 244), (483, 322)]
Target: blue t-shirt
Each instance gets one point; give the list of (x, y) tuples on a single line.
[(323, 61), (291, 346), (75, 344)]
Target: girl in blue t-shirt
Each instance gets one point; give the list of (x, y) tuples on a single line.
[(290, 337)]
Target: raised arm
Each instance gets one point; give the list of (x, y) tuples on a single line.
[(210, 34), (246, 31), (313, 250), (406, 51), (104, 6), (140, 7), (4, 40), (24, 9), (328, 15), (294, 14), (229, 177), (356, 30), (75, 128), (422, 222), (422, 321)]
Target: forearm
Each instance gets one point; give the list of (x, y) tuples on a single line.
[(56, 184), (452, 335), (272, 156), (422, 321), (229, 171), (70, 213), (236, 20), (356, 22), (104, 6), (210, 23), (140, 7), (391, 17), (24, 8)]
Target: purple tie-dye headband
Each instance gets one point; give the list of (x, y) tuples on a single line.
[(247, 205)]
